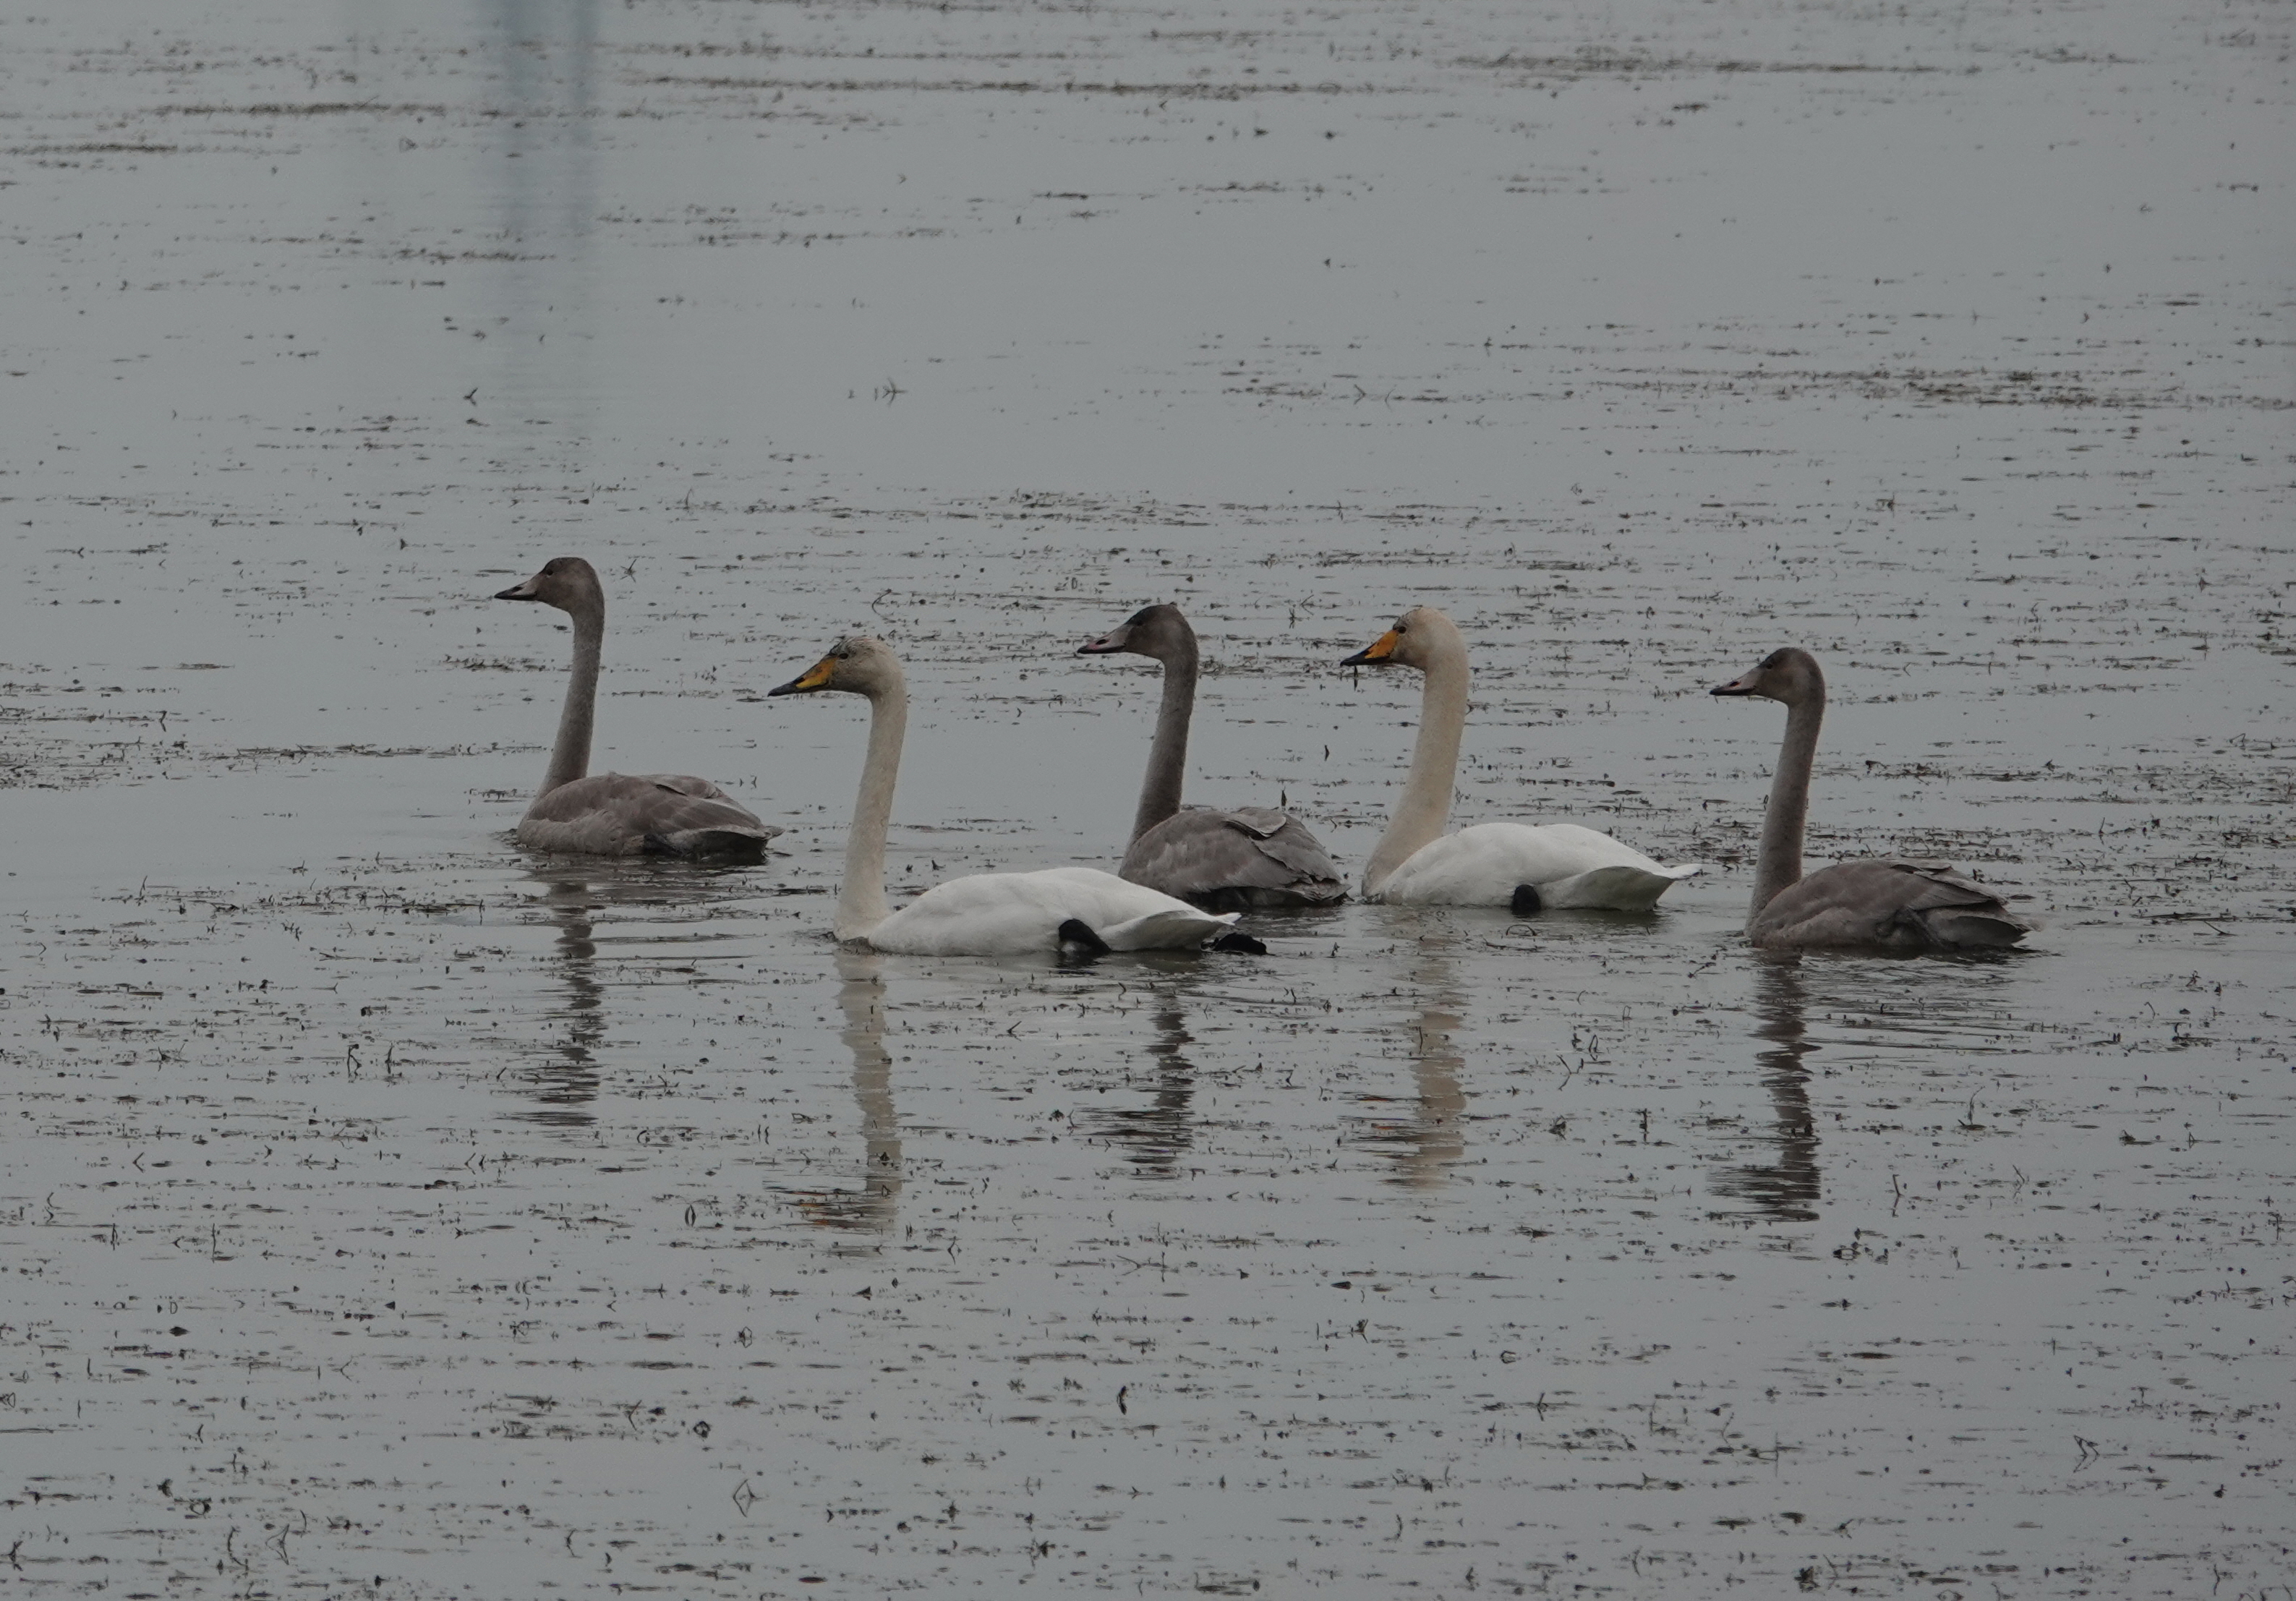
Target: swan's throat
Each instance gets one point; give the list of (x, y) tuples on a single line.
[(861, 904), (1779, 866), (1425, 807), (1167, 757), (569, 757)]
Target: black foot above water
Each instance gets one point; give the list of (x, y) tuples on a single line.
[(1078, 933), (1242, 942), (1525, 901)]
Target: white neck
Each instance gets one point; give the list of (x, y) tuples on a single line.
[(569, 757), (1425, 807), (861, 904)]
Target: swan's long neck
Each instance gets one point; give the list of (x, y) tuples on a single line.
[(861, 904), (1779, 866), (569, 757), (1426, 803), (1167, 757)]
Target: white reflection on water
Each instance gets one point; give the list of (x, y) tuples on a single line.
[(872, 1204)]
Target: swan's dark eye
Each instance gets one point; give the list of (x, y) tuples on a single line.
[(1776, 659), (1137, 617)]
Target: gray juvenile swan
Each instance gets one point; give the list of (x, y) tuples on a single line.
[(1253, 856), (1890, 905), (618, 814)]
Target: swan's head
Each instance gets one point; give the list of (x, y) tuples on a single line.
[(1789, 674), (856, 664), (568, 583), (1414, 640), (1158, 631)]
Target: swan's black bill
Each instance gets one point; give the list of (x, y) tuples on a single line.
[(1242, 942), (1735, 687), (522, 590), (1525, 900), (1107, 644)]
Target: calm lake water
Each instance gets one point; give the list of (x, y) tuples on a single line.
[(385, 1212)]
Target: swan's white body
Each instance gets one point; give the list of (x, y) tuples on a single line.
[(987, 913), (1569, 866), (1020, 914), (1416, 862)]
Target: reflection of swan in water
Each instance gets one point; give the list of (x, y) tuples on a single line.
[(871, 1208), (1424, 1141), (1788, 1188), (566, 1083), (1153, 1137)]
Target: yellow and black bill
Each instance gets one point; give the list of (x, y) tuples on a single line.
[(1377, 652), (815, 676)]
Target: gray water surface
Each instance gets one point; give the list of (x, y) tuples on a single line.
[(387, 1213)]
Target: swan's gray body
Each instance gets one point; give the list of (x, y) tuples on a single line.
[(1893, 904), (618, 814), (1251, 856)]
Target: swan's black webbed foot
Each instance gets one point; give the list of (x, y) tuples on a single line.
[(1242, 942), (1525, 901), (1077, 939)]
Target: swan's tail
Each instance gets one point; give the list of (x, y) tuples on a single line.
[(1621, 888), (1972, 928), (737, 843), (1174, 928)]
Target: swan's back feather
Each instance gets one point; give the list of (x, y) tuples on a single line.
[(1253, 855), (1568, 865), (640, 813), (1020, 914), (1887, 905)]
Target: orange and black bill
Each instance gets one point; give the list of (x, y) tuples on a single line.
[(815, 676), (1377, 652)]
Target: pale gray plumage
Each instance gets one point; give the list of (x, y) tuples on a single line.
[(1251, 856), (1894, 905), (618, 814)]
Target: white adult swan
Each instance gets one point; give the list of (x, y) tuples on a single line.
[(987, 913), (1253, 856), (1889, 904), (1525, 865), (618, 814)]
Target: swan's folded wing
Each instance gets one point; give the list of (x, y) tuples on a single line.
[(1203, 851), (684, 784), (630, 814), (1893, 904), (1954, 912), (1621, 889), (1171, 928)]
